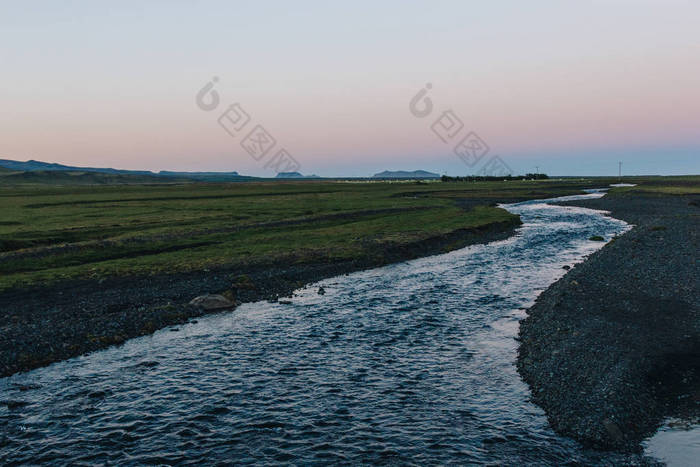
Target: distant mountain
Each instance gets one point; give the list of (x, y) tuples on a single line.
[(51, 168), (168, 173), (294, 175), (206, 176), (33, 165), (405, 174)]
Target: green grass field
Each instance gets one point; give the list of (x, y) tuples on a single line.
[(679, 185), (50, 233)]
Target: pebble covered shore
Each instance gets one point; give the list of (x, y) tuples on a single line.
[(613, 347)]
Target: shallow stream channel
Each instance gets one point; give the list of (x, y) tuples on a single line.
[(412, 363)]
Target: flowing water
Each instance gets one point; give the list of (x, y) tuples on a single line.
[(412, 363), (677, 443)]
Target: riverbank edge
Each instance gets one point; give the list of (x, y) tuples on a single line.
[(65, 320), (613, 347)]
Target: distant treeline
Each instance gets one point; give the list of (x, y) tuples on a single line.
[(481, 178)]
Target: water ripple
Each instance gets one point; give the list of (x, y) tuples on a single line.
[(412, 364)]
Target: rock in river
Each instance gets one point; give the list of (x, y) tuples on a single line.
[(212, 302)]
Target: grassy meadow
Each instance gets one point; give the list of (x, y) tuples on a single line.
[(49, 233), (677, 185)]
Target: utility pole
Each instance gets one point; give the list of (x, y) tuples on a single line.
[(537, 170), (619, 170)]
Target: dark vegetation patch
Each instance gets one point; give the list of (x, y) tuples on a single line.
[(173, 198)]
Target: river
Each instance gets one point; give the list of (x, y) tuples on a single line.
[(412, 363)]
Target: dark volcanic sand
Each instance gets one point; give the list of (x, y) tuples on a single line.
[(42, 325), (614, 346)]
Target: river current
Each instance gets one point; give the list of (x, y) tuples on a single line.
[(412, 363)]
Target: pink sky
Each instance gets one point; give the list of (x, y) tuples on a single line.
[(548, 83)]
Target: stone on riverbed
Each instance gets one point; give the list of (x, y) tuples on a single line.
[(212, 302), (614, 431)]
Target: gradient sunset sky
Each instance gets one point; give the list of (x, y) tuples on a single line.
[(570, 86)]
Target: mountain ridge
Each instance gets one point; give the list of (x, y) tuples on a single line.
[(34, 166), (405, 174)]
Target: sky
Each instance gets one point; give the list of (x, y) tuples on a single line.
[(560, 87)]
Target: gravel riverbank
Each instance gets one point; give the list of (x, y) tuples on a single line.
[(613, 347), (42, 325)]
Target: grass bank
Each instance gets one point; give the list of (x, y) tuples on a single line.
[(50, 234)]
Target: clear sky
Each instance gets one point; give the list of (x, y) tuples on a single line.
[(572, 87)]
